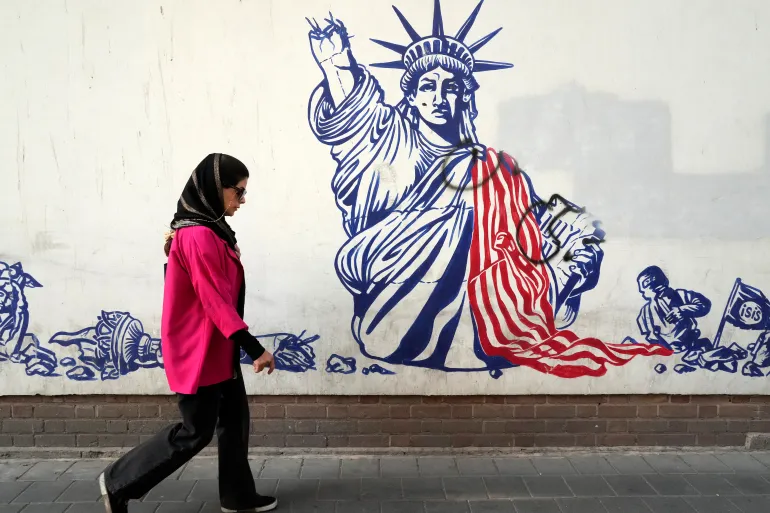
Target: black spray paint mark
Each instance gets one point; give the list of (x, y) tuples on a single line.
[(548, 232), (475, 153)]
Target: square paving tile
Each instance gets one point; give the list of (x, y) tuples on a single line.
[(705, 463), (668, 464), (42, 491), (592, 464), (179, 507), (364, 467), (505, 487), (437, 467), (624, 505), (515, 467), (424, 488), (256, 465), (46, 508), (11, 471), (358, 507), (210, 507), (320, 468), (741, 462), (447, 507), (280, 468), (399, 467), (11, 508), (749, 485), (403, 507), (12, 489), (762, 457), (86, 507), (84, 470), (492, 506), (81, 491), (381, 489), (465, 488), (266, 486), (711, 484), (314, 507), (144, 507), (668, 505), (171, 490), (536, 506), (712, 505), (581, 505), (547, 486), (629, 486), (201, 468), (339, 489), (477, 467), (629, 464), (671, 485), (297, 490), (589, 486), (46, 471), (553, 466), (205, 490), (752, 504)]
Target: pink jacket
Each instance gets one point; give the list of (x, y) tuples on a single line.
[(200, 301)]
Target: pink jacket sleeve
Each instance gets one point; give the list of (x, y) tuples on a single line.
[(204, 262)]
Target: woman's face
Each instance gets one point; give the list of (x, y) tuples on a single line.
[(234, 197), (438, 96)]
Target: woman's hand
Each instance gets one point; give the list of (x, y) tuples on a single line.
[(266, 361)]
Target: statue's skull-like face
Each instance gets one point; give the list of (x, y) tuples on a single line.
[(438, 96)]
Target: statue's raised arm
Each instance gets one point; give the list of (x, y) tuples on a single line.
[(331, 50)]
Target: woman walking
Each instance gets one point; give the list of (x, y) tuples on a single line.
[(202, 331)]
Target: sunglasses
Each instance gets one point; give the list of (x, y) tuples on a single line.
[(239, 191)]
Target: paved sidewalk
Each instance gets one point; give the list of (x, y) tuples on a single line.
[(727, 482)]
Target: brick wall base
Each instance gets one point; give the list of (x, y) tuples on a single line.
[(403, 421)]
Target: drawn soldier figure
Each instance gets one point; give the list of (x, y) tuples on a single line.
[(669, 317)]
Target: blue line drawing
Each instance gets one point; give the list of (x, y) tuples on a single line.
[(341, 365), (669, 317), (115, 346), (292, 353), (402, 176), (17, 345), (683, 369), (376, 369)]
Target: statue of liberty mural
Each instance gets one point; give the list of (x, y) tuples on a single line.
[(450, 253)]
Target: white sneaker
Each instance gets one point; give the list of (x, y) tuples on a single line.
[(264, 503)]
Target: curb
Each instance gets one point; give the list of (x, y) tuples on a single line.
[(760, 442)]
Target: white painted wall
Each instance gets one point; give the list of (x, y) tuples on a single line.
[(653, 114)]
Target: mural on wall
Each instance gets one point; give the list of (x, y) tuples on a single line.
[(116, 345), (292, 353), (17, 345), (453, 261), (669, 317)]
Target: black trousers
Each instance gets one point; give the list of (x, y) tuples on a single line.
[(222, 407)]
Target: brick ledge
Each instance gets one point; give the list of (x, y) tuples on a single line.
[(65, 453)]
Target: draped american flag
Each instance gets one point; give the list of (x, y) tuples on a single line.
[(509, 294)]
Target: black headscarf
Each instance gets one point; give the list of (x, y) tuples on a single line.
[(201, 202)]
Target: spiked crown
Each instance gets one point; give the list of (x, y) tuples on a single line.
[(438, 43)]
